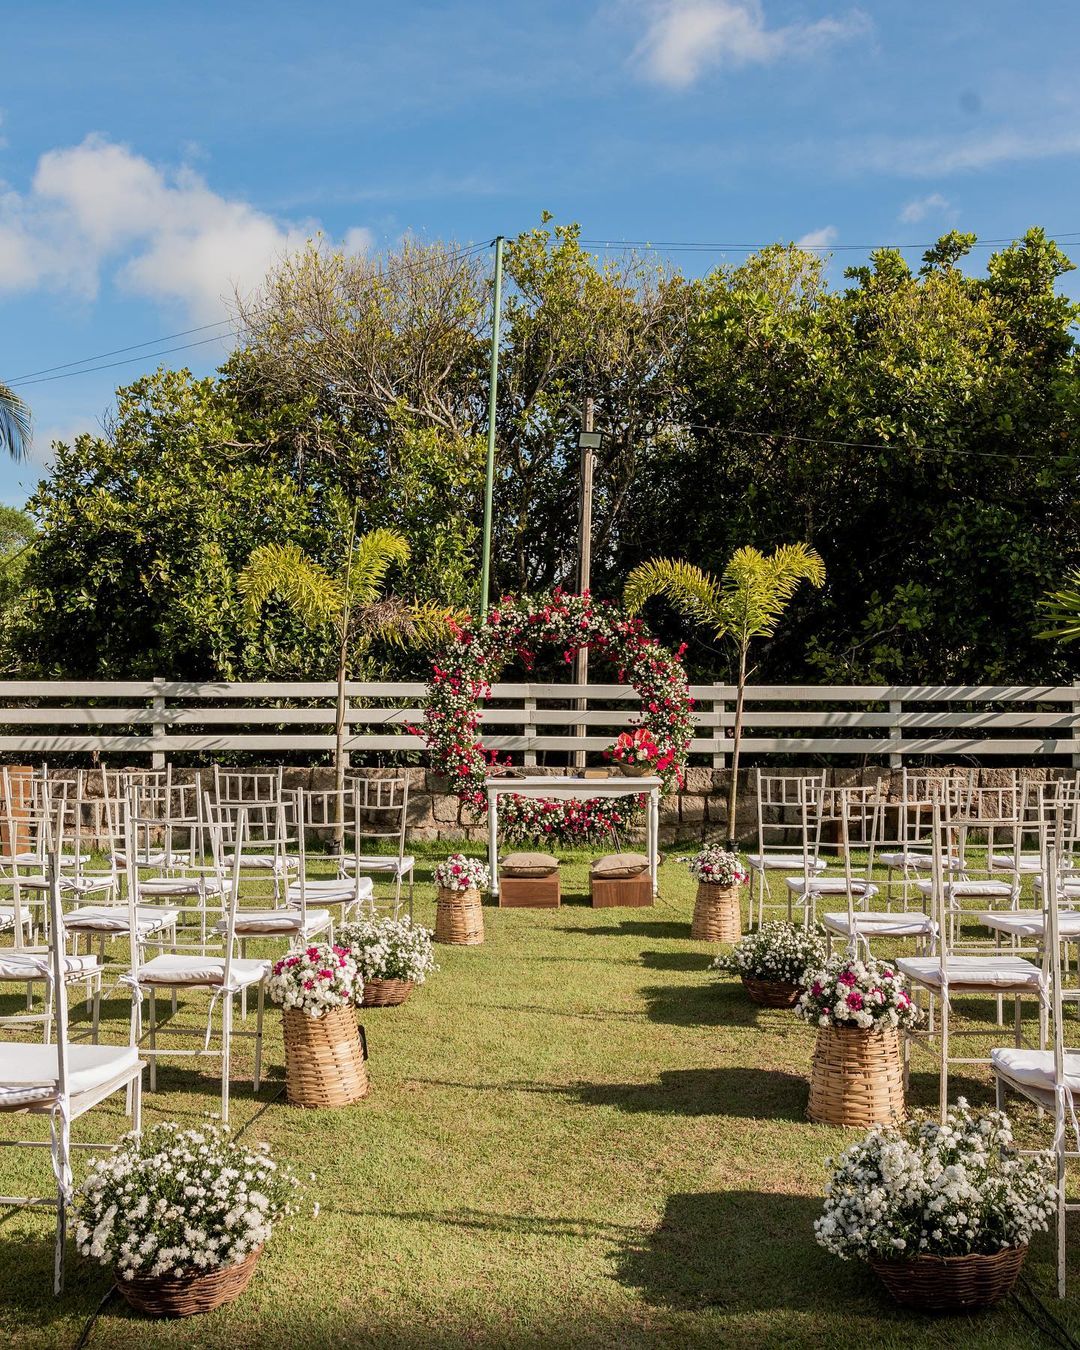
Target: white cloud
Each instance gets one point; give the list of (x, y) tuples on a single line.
[(818, 238), (932, 157), (685, 38), (99, 210), (921, 207)]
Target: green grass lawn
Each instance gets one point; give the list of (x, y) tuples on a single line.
[(576, 1136)]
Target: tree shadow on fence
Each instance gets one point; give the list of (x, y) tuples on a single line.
[(753, 1094)]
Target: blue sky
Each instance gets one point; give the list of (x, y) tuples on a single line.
[(153, 157)]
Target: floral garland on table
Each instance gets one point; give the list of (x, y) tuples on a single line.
[(175, 1202), (515, 629), (928, 1189), (850, 993)]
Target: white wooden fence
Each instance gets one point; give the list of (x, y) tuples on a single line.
[(886, 723)]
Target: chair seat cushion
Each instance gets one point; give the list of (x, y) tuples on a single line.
[(782, 862), (921, 862), (528, 865), (35, 963), (959, 890), (116, 919), (275, 922), (7, 917), (376, 862), (1030, 863), (879, 923), (1029, 923), (829, 886), (265, 862), (1069, 888), (616, 866), (28, 1072), (1034, 1068), (331, 890), (180, 968), (183, 886), (974, 972)]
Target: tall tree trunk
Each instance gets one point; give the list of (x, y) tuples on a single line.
[(733, 785)]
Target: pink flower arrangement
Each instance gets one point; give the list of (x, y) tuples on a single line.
[(315, 979), (849, 993), (459, 873)]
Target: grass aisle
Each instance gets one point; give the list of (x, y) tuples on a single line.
[(574, 1138)]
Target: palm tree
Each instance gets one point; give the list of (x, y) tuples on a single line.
[(1061, 610), (352, 602), (745, 603), (14, 423)]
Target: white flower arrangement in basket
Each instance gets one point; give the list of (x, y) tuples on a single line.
[(459, 873), (316, 979), (781, 952), (389, 949), (846, 992), (927, 1189), (181, 1202), (717, 867)]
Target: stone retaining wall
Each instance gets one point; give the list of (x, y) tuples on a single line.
[(698, 812)]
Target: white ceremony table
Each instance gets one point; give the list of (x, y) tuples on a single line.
[(567, 788)]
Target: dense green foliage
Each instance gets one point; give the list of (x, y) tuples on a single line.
[(918, 428)]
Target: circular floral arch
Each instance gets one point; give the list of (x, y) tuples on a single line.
[(518, 628)]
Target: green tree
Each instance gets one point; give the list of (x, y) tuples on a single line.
[(746, 602)]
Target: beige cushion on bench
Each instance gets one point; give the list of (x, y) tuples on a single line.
[(616, 866), (528, 865)]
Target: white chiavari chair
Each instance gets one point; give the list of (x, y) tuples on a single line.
[(1049, 1078), (330, 818), (951, 974), (221, 977), (61, 1080), (788, 832), (383, 811)]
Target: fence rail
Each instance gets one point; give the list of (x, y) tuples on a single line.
[(878, 723)]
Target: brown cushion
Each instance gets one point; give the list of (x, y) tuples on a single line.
[(617, 865), (528, 865)]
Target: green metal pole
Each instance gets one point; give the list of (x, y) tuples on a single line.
[(493, 391)]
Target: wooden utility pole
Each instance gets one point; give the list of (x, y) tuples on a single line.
[(581, 658)]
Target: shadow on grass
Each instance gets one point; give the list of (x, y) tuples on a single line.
[(698, 961), (530, 1225), (752, 1094), (26, 1274), (633, 928), (741, 1250), (713, 1004)]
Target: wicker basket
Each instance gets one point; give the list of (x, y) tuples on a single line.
[(188, 1295), (386, 993), (717, 914), (324, 1058), (857, 1077), (459, 918), (952, 1283), (771, 993)]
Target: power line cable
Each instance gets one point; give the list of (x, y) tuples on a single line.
[(690, 246), (45, 375)]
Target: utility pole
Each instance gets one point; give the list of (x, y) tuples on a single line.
[(588, 461), (493, 392)]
